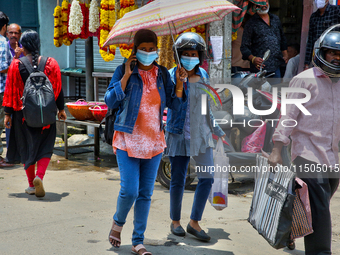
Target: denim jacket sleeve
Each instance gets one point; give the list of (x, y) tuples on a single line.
[(114, 93), (172, 101)]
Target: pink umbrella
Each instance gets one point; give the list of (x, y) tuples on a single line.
[(166, 17)]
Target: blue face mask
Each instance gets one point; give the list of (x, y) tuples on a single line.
[(146, 58), (189, 63)]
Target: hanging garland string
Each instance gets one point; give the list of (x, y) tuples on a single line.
[(125, 7), (76, 18), (166, 54), (199, 30), (84, 34), (94, 21), (65, 12), (57, 38), (107, 18), (170, 61)]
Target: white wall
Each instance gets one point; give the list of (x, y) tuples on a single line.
[(65, 55)]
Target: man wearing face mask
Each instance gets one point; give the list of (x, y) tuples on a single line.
[(315, 137), (262, 32), (327, 15)]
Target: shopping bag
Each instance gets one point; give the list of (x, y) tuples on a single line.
[(219, 191), (272, 205), (302, 215)]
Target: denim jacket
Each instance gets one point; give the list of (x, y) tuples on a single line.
[(128, 101), (176, 118)]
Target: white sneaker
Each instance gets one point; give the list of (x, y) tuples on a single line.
[(39, 188), (30, 190)]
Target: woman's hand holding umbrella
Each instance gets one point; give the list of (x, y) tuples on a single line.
[(181, 75)]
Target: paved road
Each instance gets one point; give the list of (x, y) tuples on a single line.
[(76, 214)]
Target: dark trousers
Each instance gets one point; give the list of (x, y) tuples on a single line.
[(179, 166), (320, 189)]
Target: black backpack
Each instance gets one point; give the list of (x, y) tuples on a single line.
[(110, 117), (39, 106)]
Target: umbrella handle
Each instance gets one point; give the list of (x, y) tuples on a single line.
[(176, 53)]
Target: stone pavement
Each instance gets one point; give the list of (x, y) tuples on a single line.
[(75, 217)]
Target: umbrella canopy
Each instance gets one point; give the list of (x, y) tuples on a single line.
[(168, 16)]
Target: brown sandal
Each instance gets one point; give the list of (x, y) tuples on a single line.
[(137, 248), (117, 229)]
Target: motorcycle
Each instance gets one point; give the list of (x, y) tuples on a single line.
[(262, 99)]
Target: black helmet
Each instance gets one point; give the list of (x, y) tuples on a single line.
[(190, 41), (328, 40)]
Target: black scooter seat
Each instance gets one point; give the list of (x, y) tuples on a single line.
[(239, 159)]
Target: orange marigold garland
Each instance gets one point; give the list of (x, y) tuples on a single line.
[(57, 39), (65, 12), (199, 30), (107, 18), (125, 7)]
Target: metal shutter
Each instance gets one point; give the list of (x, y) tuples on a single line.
[(99, 64)]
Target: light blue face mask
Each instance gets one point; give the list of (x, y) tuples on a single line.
[(189, 63), (146, 58)]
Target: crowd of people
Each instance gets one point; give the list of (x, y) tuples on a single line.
[(141, 89)]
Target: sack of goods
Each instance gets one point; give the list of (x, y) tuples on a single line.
[(219, 191), (272, 205)]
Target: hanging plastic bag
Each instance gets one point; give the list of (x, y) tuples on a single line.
[(254, 142), (219, 191)]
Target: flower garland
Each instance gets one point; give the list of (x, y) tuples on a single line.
[(166, 55), (125, 7), (107, 18), (57, 39), (199, 30), (234, 36), (84, 34), (94, 22), (65, 12), (76, 18)]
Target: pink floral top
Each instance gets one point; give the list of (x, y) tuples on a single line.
[(146, 140)]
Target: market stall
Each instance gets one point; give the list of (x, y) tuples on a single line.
[(84, 19)]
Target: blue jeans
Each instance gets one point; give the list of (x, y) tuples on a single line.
[(179, 166), (137, 179)]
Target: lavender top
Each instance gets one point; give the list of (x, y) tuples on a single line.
[(316, 136)]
